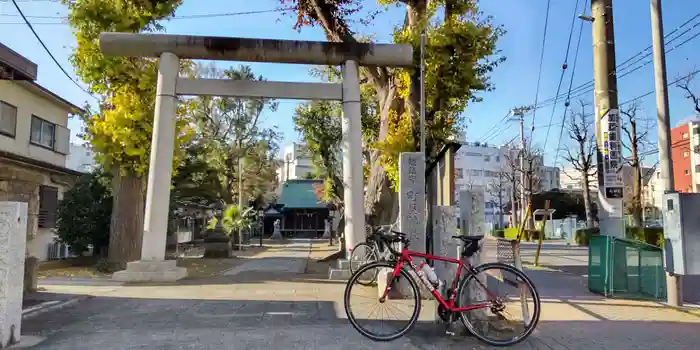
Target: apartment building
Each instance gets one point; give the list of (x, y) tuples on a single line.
[(34, 143), (296, 163), (571, 180), (685, 150), (81, 158), (480, 165)]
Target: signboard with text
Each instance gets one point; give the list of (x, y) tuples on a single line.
[(613, 186)]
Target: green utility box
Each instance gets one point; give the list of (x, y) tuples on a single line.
[(625, 269)]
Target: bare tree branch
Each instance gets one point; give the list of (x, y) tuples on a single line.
[(685, 85)]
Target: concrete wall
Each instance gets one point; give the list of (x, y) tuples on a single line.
[(21, 183), (29, 103)]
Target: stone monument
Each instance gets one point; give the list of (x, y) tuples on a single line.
[(13, 243), (276, 234), (412, 198), (470, 214), (411, 210)]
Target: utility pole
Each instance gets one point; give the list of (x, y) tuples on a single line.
[(422, 95), (673, 282), (522, 164), (607, 121)]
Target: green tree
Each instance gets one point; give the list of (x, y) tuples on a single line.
[(120, 129), (84, 214), (228, 131), (461, 45)]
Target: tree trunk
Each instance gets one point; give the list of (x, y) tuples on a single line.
[(637, 216), (530, 187), (126, 226), (380, 198), (513, 205), (587, 199)]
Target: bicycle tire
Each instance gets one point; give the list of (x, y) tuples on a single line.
[(358, 247), (416, 296), (531, 286)]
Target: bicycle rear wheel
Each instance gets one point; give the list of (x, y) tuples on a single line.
[(401, 309), (498, 324)]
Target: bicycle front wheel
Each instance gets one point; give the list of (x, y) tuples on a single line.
[(510, 304), (362, 254), (382, 318)]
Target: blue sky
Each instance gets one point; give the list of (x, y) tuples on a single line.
[(515, 80)]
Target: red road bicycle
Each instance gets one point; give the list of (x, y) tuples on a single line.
[(485, 319)]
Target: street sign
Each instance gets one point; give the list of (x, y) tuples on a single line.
[(612, 148)]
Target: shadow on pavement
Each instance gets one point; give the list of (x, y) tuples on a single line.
[(121, 323)]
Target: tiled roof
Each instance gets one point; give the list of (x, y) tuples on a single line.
[(297, 194)]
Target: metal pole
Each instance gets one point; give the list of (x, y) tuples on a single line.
[(522, 164), (673, 282), (609, 154), (240, 200), (422, 94)]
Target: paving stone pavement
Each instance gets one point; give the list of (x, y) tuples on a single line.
[(289, 257), (295, 311)]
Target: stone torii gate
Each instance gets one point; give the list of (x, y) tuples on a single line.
[(171, 48)]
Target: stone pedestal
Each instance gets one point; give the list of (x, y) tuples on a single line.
[(151, 271), (216, 244), (13, 242)]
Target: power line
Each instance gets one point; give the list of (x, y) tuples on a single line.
[(571, 82), (539, 73), (620, 66), (196, 16), (563, 70), (49, 51)]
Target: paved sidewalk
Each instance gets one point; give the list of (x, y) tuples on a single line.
[(296, 311)]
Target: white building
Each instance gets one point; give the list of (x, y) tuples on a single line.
[(34, 142), (571, 180), (488, 167), (296, 163), (81, 158)]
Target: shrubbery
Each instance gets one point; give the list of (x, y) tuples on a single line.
[(84, 214), (648, 235), (583, 236)]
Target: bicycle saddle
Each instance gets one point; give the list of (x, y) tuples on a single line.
[(469, 239)]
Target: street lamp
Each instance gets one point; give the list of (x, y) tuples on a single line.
[(261, 217), (331, 215)]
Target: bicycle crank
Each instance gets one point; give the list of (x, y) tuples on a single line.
[(446, 315)]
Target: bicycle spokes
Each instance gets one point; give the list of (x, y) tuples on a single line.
[(509, 305)]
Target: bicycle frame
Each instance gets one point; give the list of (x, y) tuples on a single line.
[(448, 304)]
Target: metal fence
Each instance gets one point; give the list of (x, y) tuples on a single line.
[(623, 268)]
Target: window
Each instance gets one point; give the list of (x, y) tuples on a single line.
[(686, 154), (685, 135), (8, 119), (459, 173), (43, 133), (487, 158), (687, 171), (48, 204), (498, 158)]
